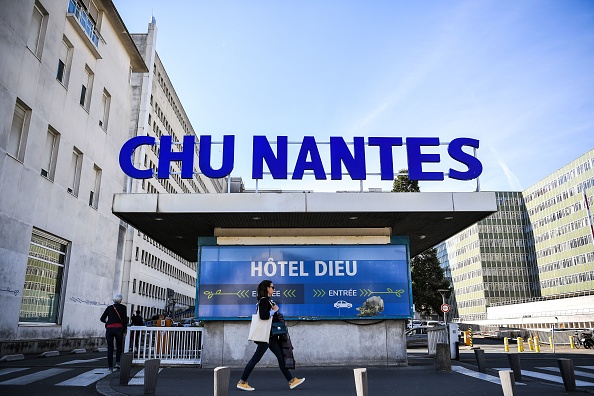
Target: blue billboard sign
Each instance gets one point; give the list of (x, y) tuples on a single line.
[(311, 282)]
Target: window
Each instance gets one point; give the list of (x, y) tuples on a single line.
[(105, 103), (43, 278), (37, 29), (94, 195), (64, 61), (50, 153), (75, 167), (18, 131), (85, 92)]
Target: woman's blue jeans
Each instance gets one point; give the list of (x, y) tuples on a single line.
[(275, 347)]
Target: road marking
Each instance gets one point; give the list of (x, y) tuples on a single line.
[(81, 361), (87, 378), (549, 377), (139, 378), (27, 379), (587, 367), (481, 376), (12, 370), (576, 372)]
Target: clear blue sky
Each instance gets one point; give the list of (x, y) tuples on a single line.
[(517, 75)]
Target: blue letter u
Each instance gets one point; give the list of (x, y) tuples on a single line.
[(204, 157)]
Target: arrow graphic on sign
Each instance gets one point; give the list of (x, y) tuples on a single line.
[(240, 293), (289, 293), (319, 292), (369, 292)]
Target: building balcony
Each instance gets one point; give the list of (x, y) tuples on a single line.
[(84, 26)]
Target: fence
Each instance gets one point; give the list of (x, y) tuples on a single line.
[(173, 345)]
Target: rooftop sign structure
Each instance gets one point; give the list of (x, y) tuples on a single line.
[(309, 159)]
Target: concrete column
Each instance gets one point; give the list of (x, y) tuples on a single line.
[(479, 355), (443, 359), (514, 364), (508, 383), (567, 373), (125, 366), (221, 381), (151, 373), (361, 381)]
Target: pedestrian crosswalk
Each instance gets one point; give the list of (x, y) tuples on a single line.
[(29, 375), (539, 375)]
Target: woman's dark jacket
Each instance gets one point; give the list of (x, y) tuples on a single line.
[(112, 319)]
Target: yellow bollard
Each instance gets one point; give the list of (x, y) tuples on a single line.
[(530, 344), (470, 335), (520, 342), (536, 344), (550, 342), (506, 344), (571, 342)]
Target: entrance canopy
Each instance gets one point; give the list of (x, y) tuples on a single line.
[(177, 220)]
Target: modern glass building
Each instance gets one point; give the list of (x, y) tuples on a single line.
[(538, 246)]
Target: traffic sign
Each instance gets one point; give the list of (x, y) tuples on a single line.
[(445, 308)]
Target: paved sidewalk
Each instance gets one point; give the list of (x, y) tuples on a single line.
[(419, 378)]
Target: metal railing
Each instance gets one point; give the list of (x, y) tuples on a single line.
[(84, 20), (173, 345), (436, 335)]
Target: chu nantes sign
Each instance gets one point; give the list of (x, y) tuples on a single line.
[(308, 159)]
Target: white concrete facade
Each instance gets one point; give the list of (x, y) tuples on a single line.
[(47, 57)]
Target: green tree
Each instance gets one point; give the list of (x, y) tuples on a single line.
[(403, 184), (427, 278), (426, 273)]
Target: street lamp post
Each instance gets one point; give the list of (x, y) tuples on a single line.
[(443, 293)]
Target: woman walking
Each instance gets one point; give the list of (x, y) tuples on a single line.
[(265, 305)]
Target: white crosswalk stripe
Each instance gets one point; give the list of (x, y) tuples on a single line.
[(576, 372), (548, 377), (12, 370), (481, 376), (86, 379), (27, 379), (139, 378)]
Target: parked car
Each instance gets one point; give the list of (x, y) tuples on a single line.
[(188, 322), (417, 337)]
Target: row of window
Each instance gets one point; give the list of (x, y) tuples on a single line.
[(499, 243), (467, 275), (586, 276), (159, 293), (452, 242), (465, 249), (581, 168), (564, 246), (567, 262), (166, 268), (17, 142), (558, 215), (510, 286), (556, 232), (477, 302), (169, 97), (562, 196), (190, 264)]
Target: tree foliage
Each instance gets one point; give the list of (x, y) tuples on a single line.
[(427, 278), (403, 184), (426, 273)]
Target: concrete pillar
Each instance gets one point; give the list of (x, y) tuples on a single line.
[(479, 355), (443, 360), (151, 372), (508, 383), (567, 373), (361, 381), (125, 366), (514, 364), (221, 381)]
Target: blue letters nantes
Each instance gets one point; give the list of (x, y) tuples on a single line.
[(308, 159)]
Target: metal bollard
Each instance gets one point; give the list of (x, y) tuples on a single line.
[(536, 344), (151, 373), (514, 364), (221, 381), (479, 354), (506, 344), (508, 383), (443, 360), (567, 373), (520, 344), (361, 381), (571, 342), (530, 344), (125, 366), (470, 336), (551, 343)]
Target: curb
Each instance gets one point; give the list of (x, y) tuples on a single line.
[(103, 387)]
